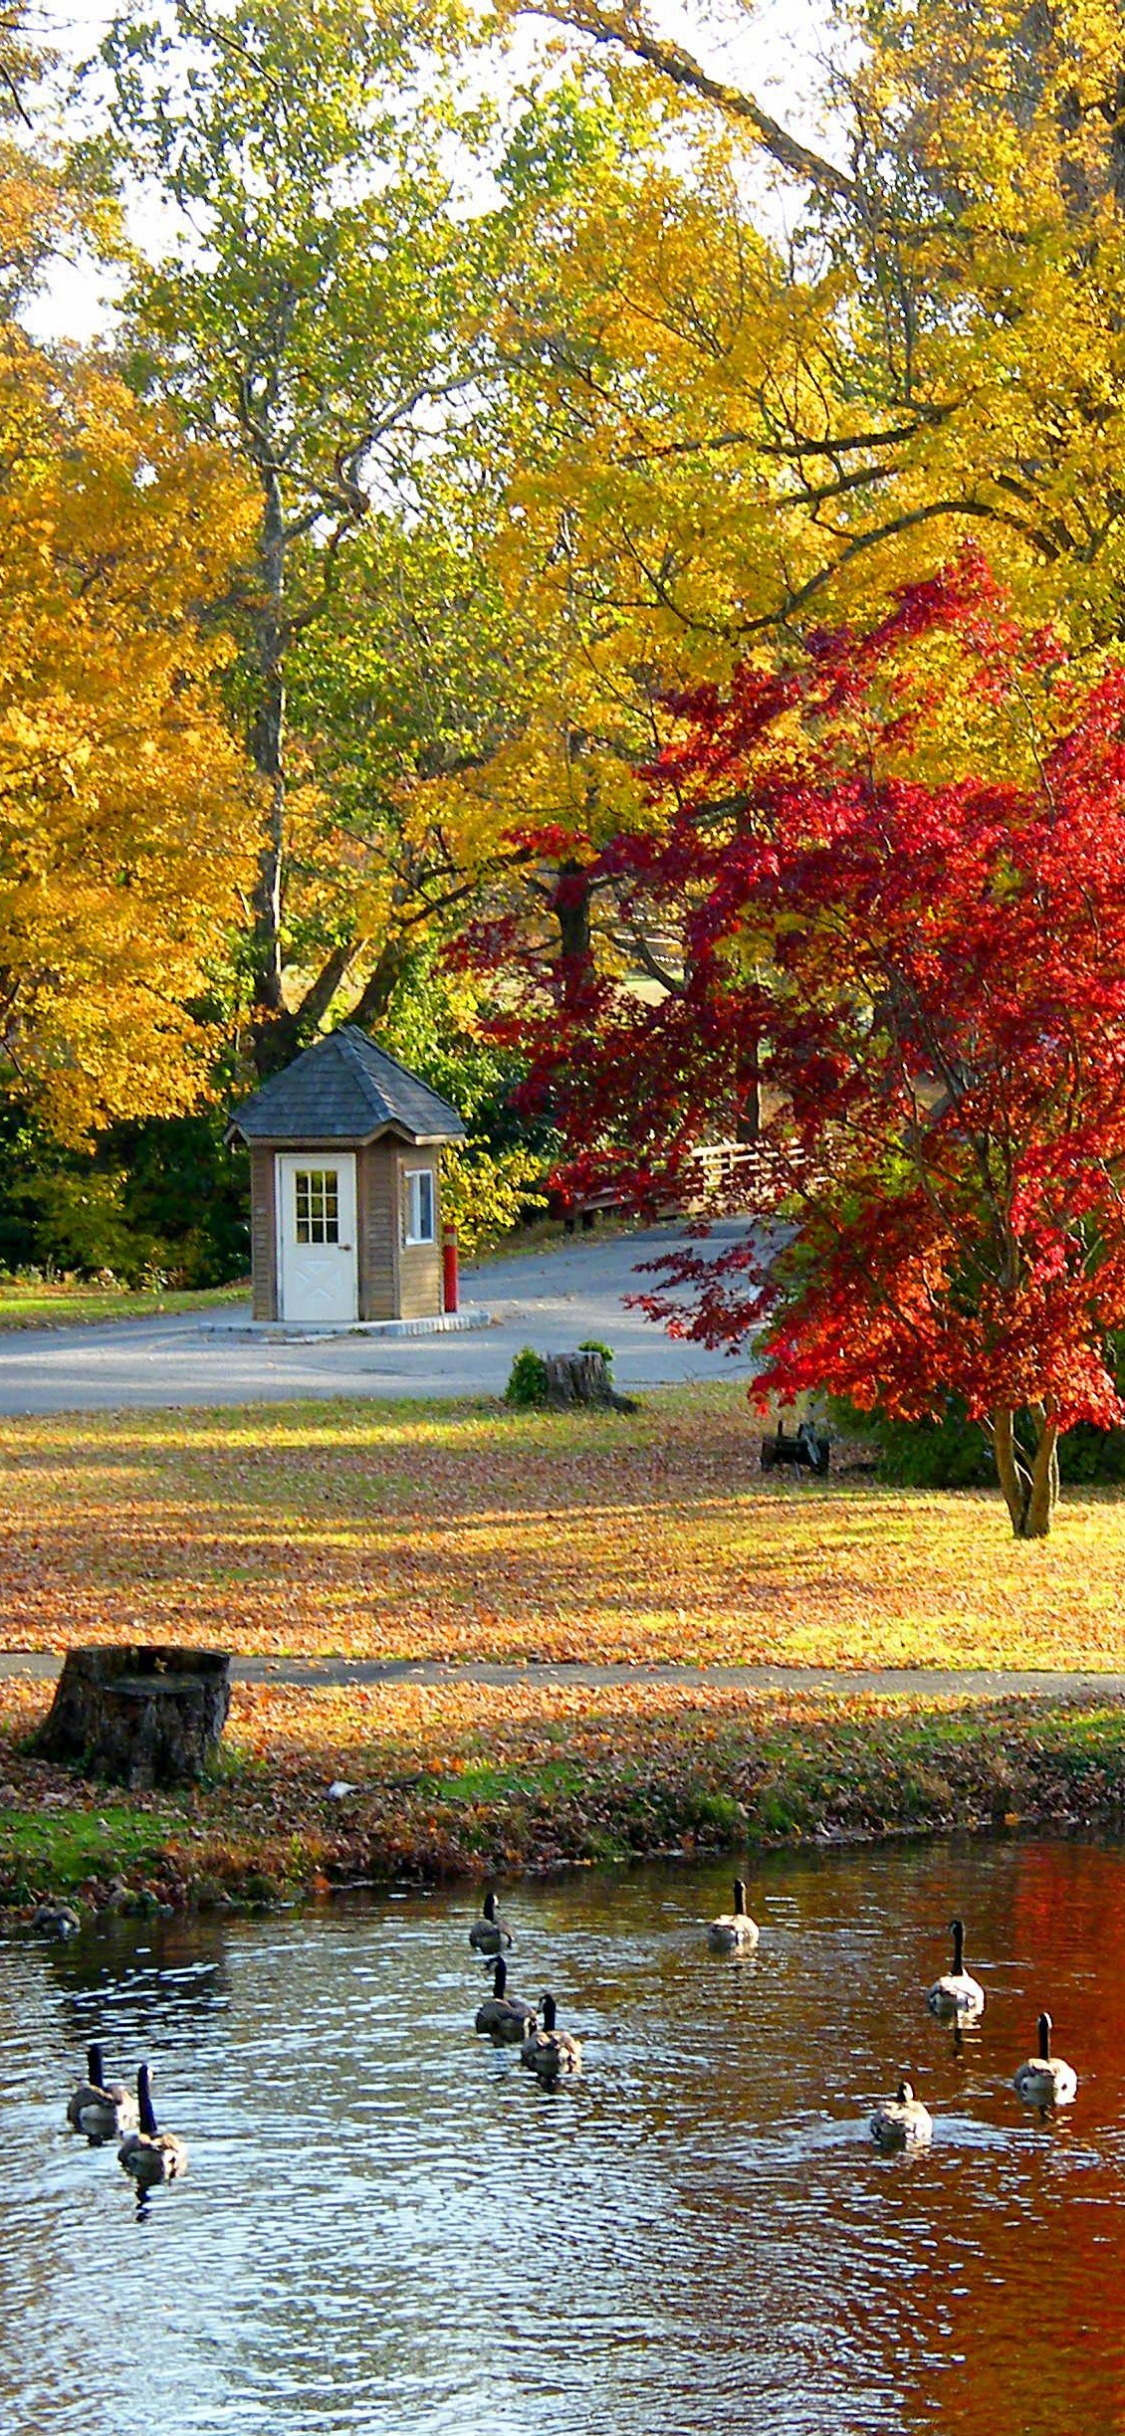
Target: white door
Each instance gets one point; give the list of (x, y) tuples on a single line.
[(316, 1243)]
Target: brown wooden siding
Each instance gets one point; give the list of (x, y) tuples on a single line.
[(376, 1218), (263, 1233), (395, 1280), (419, 1263)]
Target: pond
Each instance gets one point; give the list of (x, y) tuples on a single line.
[(389, 2226)]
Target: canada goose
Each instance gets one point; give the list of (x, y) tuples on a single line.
[(955, 1996), (733, 1930), (1045, 2080), (902, 2121), (101, 2109), (504, 2018), (55, 1920), (549, 2052), (488, 1935), (151, 2156)]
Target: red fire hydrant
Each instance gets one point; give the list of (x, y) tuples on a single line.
[(449, 1279)]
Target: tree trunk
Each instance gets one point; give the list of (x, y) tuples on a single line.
[(1117, 142), (320, 995), (381, 984), (139, 1716), (571, 900), (748, 1123), (279, 1036), (1043, 1494), (1031, 1489), (274, 1039), (269, 740)]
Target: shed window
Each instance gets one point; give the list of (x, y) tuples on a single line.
[(418, 1206), (318, 1212)]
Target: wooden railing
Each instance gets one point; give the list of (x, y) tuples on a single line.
[(719, 1166)]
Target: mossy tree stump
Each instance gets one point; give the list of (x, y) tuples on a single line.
[(141, 1716), (581, 1378)]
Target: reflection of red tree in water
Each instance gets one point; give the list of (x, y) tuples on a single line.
[(1068, 1931), (1022, 2302), (1074, 1886)]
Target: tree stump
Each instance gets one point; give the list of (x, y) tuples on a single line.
[(139, 1716), (582, 1378)]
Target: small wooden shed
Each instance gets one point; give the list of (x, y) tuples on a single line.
[(345, 1186)]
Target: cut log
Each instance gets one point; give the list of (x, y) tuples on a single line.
[(139, 1716), (582, 1378)]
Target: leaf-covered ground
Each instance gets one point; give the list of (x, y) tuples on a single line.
[(453, 1778), (468, 1531)]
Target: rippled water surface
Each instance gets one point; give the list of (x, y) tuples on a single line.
[(388, 2226)]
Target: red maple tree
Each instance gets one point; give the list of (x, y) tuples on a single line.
[(899, 980)]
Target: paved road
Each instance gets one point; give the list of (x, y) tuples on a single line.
[(547, 1299)]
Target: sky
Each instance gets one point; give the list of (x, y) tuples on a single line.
[(770, 49)]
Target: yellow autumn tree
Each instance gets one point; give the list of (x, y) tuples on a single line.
[(125, 816), (767, 408), (759, 384), (640, 495)]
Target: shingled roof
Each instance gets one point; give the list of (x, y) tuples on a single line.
[(344, 1089)]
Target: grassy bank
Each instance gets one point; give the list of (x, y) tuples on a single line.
[(462, 1778), (465, 1531)]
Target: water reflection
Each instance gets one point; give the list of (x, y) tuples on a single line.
[(390, 2226)]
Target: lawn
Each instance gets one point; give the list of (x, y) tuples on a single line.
[(38, 1303), (467, 1531)]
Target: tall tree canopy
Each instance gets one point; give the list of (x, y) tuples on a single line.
[(123, 809), (916, 968), (321, 310), (767, 409)]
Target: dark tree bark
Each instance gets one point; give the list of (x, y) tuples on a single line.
[(139, 1716), (582, 1378), (571, 906), (1030, 1482), (379, 988)]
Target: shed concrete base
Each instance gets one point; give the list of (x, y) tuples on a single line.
[(294, 1332)]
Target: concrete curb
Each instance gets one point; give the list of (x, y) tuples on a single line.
[(445, 1323)]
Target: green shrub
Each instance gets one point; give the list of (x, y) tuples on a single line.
[(1093, 1454), (81, 1225), (485, 1193), (527, 1381), (158, 1198), (954, 1453), (491, 1182), (949, 1454)]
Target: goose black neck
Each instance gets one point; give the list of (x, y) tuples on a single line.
[(739, 1898), (145, 2112), (549, 2010), (1045, 2028), (499, 1976), (490, 1907), (95, 2066), (958, 1928)]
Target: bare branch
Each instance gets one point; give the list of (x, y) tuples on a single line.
[(672, 61)]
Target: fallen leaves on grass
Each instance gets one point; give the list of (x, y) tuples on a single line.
[(466, 1532)]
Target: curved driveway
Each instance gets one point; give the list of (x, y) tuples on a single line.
[(547, 1299)]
